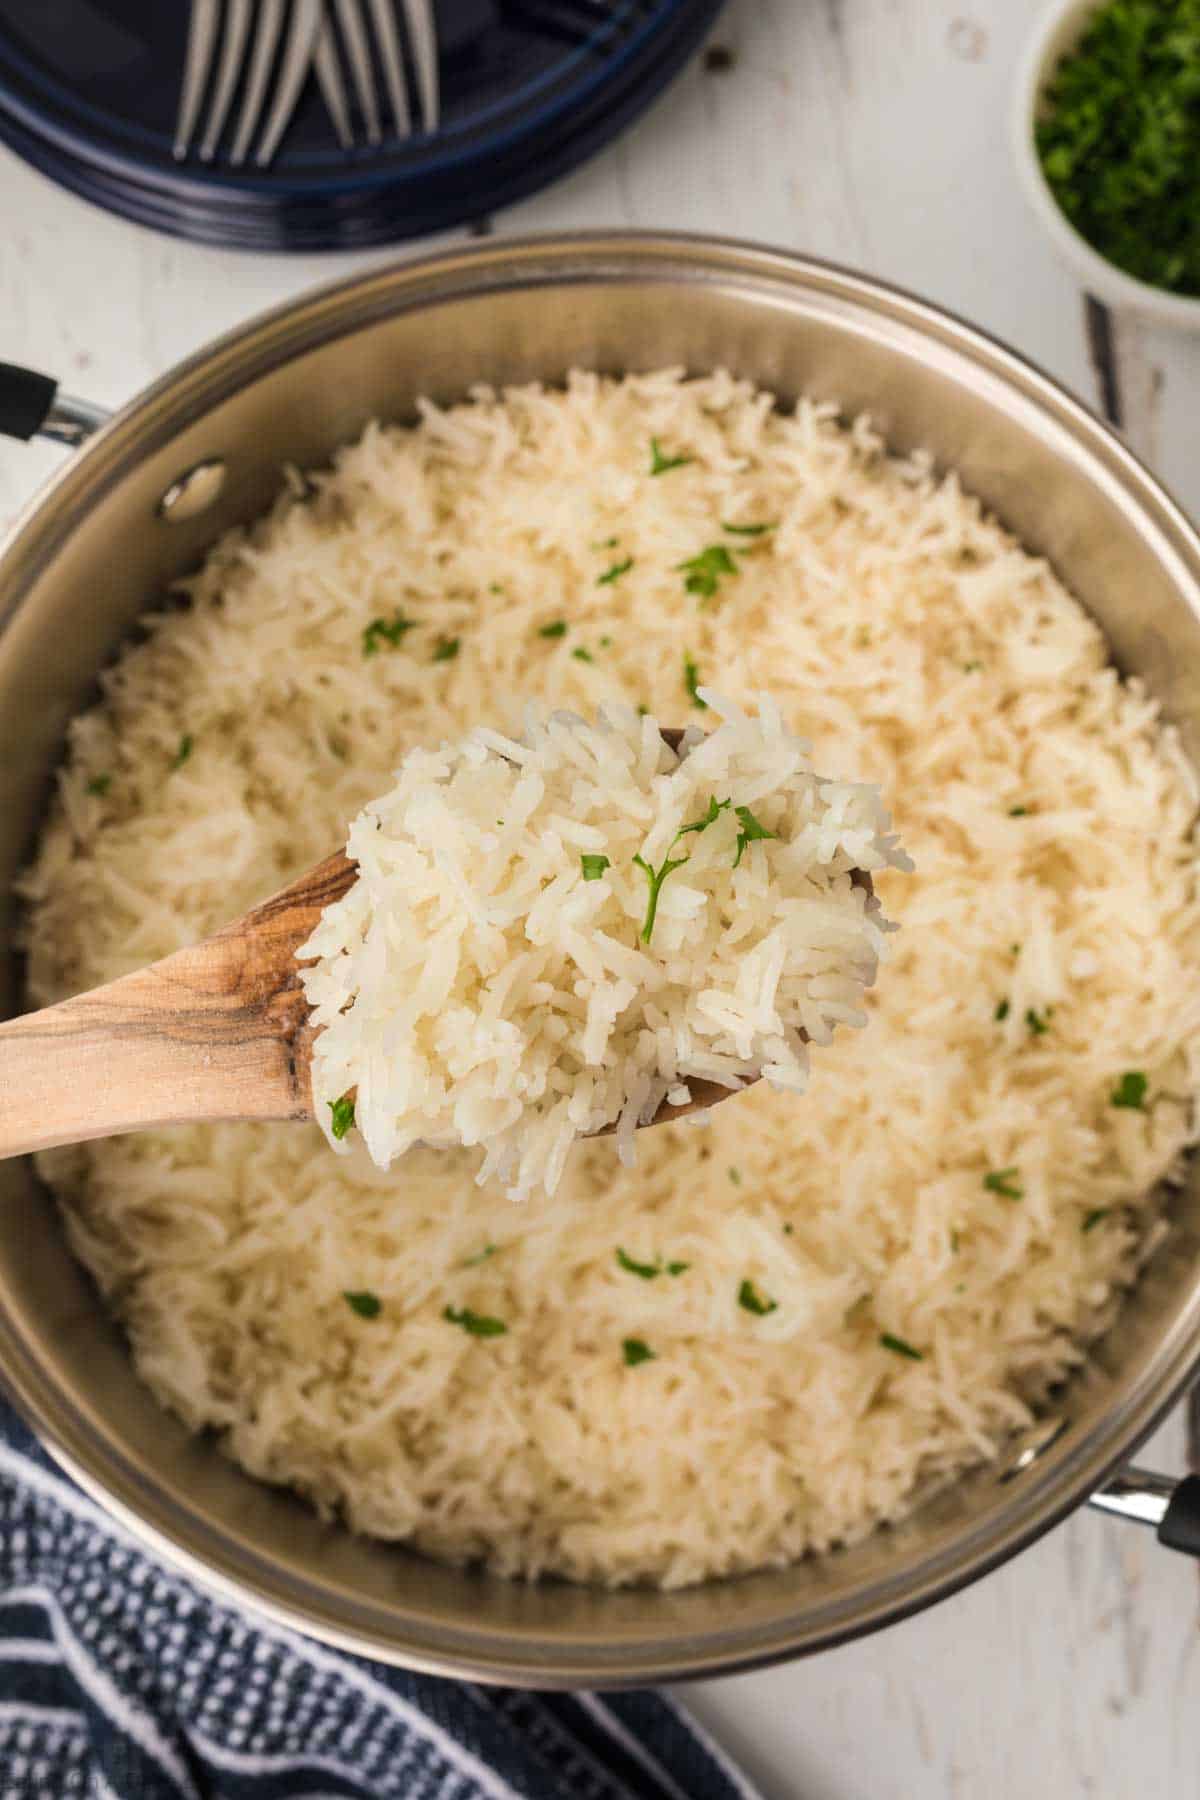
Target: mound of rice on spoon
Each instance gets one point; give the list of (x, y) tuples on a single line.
[(579, 931)]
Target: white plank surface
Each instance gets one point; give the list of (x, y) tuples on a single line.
[(875, 133)]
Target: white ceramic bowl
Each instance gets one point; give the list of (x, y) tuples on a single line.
[(1056, 33)]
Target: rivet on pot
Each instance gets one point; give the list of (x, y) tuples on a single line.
[(193, 492), (1030, 1446)]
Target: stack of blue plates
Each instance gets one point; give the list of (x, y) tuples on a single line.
[(89, 91)]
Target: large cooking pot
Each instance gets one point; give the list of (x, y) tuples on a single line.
[(202, 450)]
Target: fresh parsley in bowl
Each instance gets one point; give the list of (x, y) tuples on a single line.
[(1108, 140)]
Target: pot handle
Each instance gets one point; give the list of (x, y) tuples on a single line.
[(1171, 1506), (31, 405)]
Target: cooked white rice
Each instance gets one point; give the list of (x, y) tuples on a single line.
[(553, 937), (917, 646)]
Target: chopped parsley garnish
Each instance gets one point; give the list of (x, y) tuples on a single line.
[(1000, 1181), (751, 1301), (582, 655), (735, 1175), (494, 587), (365, 1304), (99, 785), (1093, 1218), (789, 1229), (662, 465), (704, 571), (691, 681), (606, 643), (615, 572), (343, 1115), (1130, 1091), (654, 880), (643, 711), (594, 867), (446, 649), (555, 630), (1018, 812), (954, 1242), (647, 1271), (715, 809), (480, 1256), (478, 1324), (385, 631), (183, 752), (971, 667), (1119, 139), (1036, 1021), (1002, 1012), (656, 877), (635, 1352), (751, 831), (890, 1341), (750, 531), (609, 543)]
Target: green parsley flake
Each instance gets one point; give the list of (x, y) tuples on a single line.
[(954, 1243), (691, 681), (1118, 137), (555, 630), (890, 1341), (184, 751), (735, 1175), (1093, 1218), (750, 531), (606, 643), (1002, 1011), (654, 881), (751, 832), (971, 668), (478, 1324), (99, 785), (662, 465), (582, 655), (678, 1268), (594, 867), (1037, 1022), (446, 649), (494, 587), (343, 1115), (635, 1352), (647, 1271), (705, 570), (615, 573), (365, 1304), (715, 809), (609, 543), (480, 1256), (1130, 1091), (386, 631), (656, 877), (1000, 1181), (751, 1301)]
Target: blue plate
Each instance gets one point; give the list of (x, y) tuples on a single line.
[(88, 93)]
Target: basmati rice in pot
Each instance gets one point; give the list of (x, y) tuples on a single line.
[(511, 969), (957, 1180)]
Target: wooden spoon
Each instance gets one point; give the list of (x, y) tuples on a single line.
[(220, 1030)]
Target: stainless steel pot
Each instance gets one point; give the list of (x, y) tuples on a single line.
[(201, 450)]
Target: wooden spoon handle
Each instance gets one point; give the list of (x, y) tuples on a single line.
[(217, 1031)]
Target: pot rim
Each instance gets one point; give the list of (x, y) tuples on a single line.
[(210, 1555)]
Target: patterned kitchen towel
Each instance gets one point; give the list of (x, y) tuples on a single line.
[(119, 1680)]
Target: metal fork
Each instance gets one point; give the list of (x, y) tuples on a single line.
[(311, 42)]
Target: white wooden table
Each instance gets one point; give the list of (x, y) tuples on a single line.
[(873, 132)]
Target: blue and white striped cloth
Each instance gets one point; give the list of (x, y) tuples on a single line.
[(119, 1680)]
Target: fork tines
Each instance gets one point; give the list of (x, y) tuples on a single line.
[(259, 53)]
